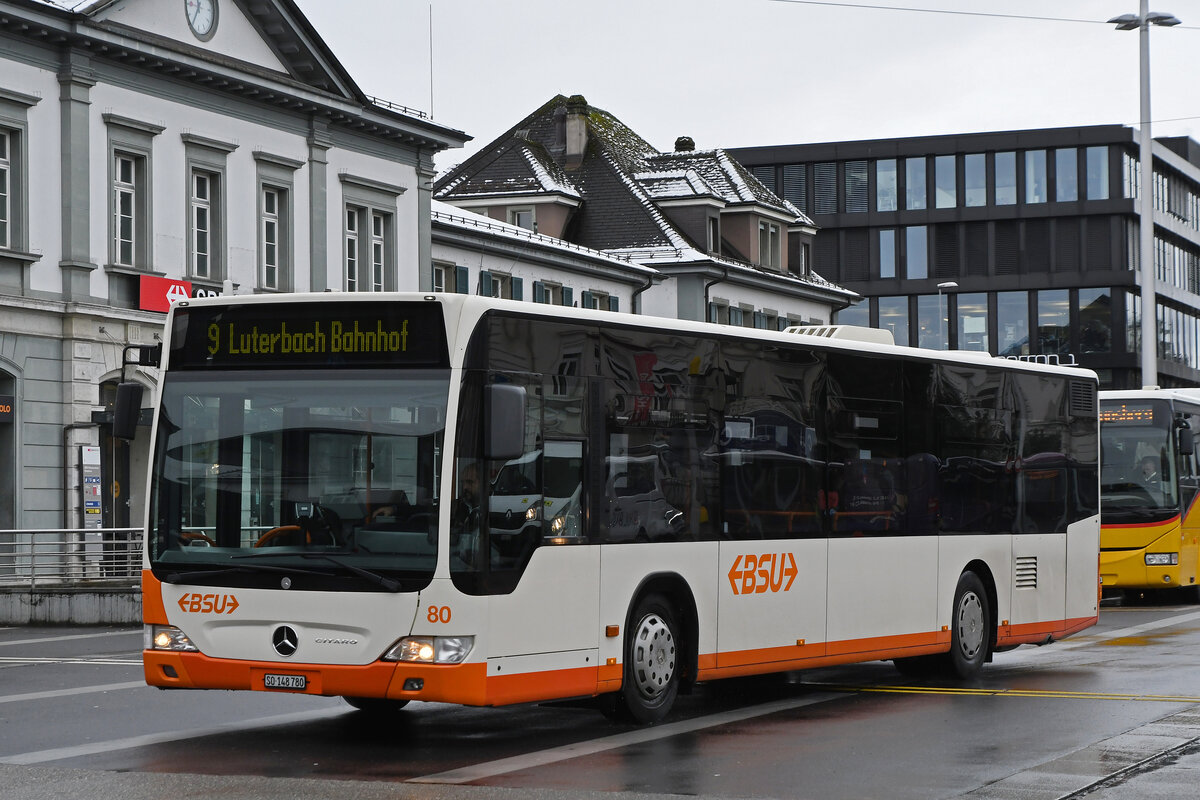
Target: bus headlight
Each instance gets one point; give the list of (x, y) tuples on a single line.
[(531, 513), (167, 637), (431, 649), (1162, 559)]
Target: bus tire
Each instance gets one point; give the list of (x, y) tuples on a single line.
[(650, 679), (970, 627), (376, 705)]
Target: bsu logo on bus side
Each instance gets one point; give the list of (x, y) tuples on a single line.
[(751, 574)]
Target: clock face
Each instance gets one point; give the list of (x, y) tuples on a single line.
[(201, 17)]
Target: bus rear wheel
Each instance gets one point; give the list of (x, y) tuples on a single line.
[(970, 627), (651, 671)]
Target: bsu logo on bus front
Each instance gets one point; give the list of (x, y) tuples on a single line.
[(756, 574)]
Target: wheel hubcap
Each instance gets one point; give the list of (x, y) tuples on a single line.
[(970, 625), (653, 656)]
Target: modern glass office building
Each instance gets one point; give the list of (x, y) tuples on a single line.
[(1011, 242)]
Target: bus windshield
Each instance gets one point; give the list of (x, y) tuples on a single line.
[(1138, 479), (330, 477)]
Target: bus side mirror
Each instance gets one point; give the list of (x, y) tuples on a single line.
[(504, 411), (126, 410), (1187, 442)]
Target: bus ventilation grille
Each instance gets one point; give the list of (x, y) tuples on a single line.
[(1083, 399), (854, 333), (1027, 572)]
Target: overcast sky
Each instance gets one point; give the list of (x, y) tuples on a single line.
[(734, 73)]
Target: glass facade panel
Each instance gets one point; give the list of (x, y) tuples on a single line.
[(885, 185), (887, 253), (855, 314), (1006, 179), (975, 180), (1097, 173), (893, 316), (971, 324), (945, 182), (1095, 320), (1054, 322), (932, 328), (1012, 323), (914, 184), (1066, 174), (916, 252), (1035, 176)]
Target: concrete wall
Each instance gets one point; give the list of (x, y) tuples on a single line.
[(71, 606)]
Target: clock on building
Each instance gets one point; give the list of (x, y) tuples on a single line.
[(201, 17)]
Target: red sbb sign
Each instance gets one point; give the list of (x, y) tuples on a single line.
[(195, 603), (159, 294), (758, 574)]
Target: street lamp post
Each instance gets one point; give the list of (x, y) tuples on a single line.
[(1142, 22), (944, 322)]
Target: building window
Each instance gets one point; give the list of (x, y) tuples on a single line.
[(498, 284), (945, 180), (368, 254), (855, 314), (914, 184), (522, 218), (1035, 176), (825, 197), (377, 251), (975, 180), (1054, 317), (126, 207), (893, 316), (887, 253), (768, 245), (1097, 173), (1012, 323), (269, 238), (932, 321), (714, 235), (971, 322), (601, 301), (795, 185), (1066, 175), (548, 293), (718, 312), (1095, 320), (275, 180), (916, 252), (5, 191), (856, 187), (352, 248), (205, 205), (1006, 179), (441, 273), (886, 190)]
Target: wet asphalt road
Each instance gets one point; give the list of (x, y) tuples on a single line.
[(1114, 712)]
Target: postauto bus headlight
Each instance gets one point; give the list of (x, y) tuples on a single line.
[(167, 637), (431, 649), (1162, 559)]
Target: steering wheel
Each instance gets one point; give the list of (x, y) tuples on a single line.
[(282, 530), (191, 537)]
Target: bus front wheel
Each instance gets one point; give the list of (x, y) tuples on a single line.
[(651, 671), (970, 627)]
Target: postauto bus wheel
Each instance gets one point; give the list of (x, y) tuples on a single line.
[(970, 626), (651, 670)]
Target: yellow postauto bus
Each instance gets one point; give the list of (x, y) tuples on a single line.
[(1149, 479)]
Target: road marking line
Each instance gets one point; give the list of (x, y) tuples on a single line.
[(132, 632), (108, 660), (1047, 693), (541, 758), (108, 687), (94, 748)]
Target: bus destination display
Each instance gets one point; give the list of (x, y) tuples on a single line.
[(354, 334), (1131, 413)]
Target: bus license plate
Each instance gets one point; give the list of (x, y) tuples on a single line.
[(284, 681)]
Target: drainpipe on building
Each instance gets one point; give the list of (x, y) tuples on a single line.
[(724, 277), (636, 300)]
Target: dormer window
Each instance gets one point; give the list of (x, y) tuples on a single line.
[(769, 245), (714, 235), (522, 218)]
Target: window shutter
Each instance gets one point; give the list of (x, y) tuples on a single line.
[(614, 303), (760, 320), (585, 299), (462, 279), (485, 283), (517, 290), (539, 292), (568, 296)]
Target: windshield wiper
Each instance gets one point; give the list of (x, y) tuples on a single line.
[(387, 583), (193, 575)]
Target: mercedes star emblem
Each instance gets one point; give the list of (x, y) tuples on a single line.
[(285, 641)]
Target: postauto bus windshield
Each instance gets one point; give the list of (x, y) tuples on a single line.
[(1137, 475), (330, 477)]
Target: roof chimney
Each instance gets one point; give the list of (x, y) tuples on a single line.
[(684, 144), (576, 131)]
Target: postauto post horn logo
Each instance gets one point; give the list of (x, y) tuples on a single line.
[(767, 572)]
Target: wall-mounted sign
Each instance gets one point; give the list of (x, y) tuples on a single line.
[(159, 294), (6, 409)]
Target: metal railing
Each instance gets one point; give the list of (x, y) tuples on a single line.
[(70, 557)]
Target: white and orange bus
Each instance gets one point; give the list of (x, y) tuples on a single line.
[(446, 498), (1148, 488)]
